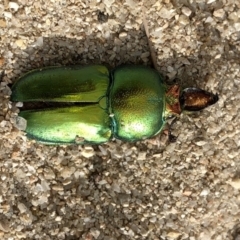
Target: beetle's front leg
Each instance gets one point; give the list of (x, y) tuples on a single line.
[(171, 138)]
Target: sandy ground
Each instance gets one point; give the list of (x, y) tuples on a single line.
[(145, 190)]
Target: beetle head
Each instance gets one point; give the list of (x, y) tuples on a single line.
[(196, 99)]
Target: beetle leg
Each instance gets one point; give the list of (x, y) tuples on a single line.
[(1, 76), (171, 137)]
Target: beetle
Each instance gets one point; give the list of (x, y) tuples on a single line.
[(91, 104)]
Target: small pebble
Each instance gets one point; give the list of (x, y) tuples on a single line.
[(220, 13), (186, 11)]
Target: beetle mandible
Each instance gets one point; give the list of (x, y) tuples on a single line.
[(94, 105)]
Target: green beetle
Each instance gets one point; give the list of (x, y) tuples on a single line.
[(92, 105)]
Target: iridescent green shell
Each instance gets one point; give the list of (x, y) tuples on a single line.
[(127, 104), (86, 120), (137, 102)]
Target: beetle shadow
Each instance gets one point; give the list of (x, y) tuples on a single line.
[(63, 51)]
